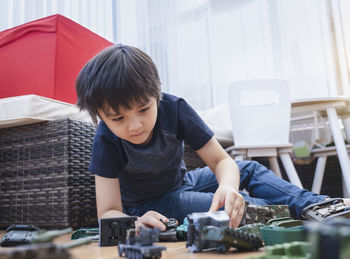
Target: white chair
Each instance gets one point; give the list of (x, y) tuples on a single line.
[(260, 118), (322, 154)]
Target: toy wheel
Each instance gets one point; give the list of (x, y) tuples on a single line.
[(221, 248)]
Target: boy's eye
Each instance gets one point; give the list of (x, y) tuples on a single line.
[(117, 119), (144, 109)]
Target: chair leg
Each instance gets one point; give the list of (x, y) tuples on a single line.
[(340, 146), (319, 173), (290, 169), (274, 166)]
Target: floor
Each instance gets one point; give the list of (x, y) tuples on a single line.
[(174, 250)]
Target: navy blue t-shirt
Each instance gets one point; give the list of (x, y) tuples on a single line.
[(150, 170)]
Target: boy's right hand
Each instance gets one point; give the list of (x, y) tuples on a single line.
[(233, 201), (152, 219)]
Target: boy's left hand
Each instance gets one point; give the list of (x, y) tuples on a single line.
[(234, 204)]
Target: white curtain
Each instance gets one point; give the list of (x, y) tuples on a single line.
[(96, 15), (202, 46)]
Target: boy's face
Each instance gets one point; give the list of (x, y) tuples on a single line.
[(134, 125)]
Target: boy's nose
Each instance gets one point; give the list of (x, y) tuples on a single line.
[(135, 124)]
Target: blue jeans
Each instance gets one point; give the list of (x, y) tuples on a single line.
[(198, 188)]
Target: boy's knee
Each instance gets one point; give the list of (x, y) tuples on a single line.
[(249, 165)]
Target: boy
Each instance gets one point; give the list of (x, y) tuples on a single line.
[(138, 150)]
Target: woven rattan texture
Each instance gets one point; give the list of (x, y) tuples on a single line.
[(191, 159), (44, 178)]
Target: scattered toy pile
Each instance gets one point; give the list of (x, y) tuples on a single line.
[(326, 222)]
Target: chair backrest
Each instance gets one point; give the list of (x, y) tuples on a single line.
[(260, 112)]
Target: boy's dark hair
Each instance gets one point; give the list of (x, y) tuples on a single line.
[(118, 76)]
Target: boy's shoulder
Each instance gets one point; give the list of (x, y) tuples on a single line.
[(104, 131), (169, 98), (170, 107), (169, 104)]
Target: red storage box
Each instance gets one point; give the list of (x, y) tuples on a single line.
[(43, 57)]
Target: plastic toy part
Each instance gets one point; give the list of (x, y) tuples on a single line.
[(286, 222), (18, 236), (196, 241), (43, 250), (330, 240), (44, 236), (326, 210), (22, 227), (113, 230), (210, 231), (84, 232), (15, 238), (170, 234), (261, 214), (227, 237), (252, 228), (293, 250), (40, 251), (170, 224), (273, 235), (181, 231), (141, 246)]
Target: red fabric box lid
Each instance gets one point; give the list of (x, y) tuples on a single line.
[(43, 57)]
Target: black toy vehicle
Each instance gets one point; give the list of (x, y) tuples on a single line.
[(327, 210), (170, 234), (141, 246), (113, 230), (18, 235)]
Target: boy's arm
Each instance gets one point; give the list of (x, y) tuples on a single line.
[(108, 198), (109, 203), (228, 177)]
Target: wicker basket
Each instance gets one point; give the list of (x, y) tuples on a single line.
[(44, 178), (191, 159)]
